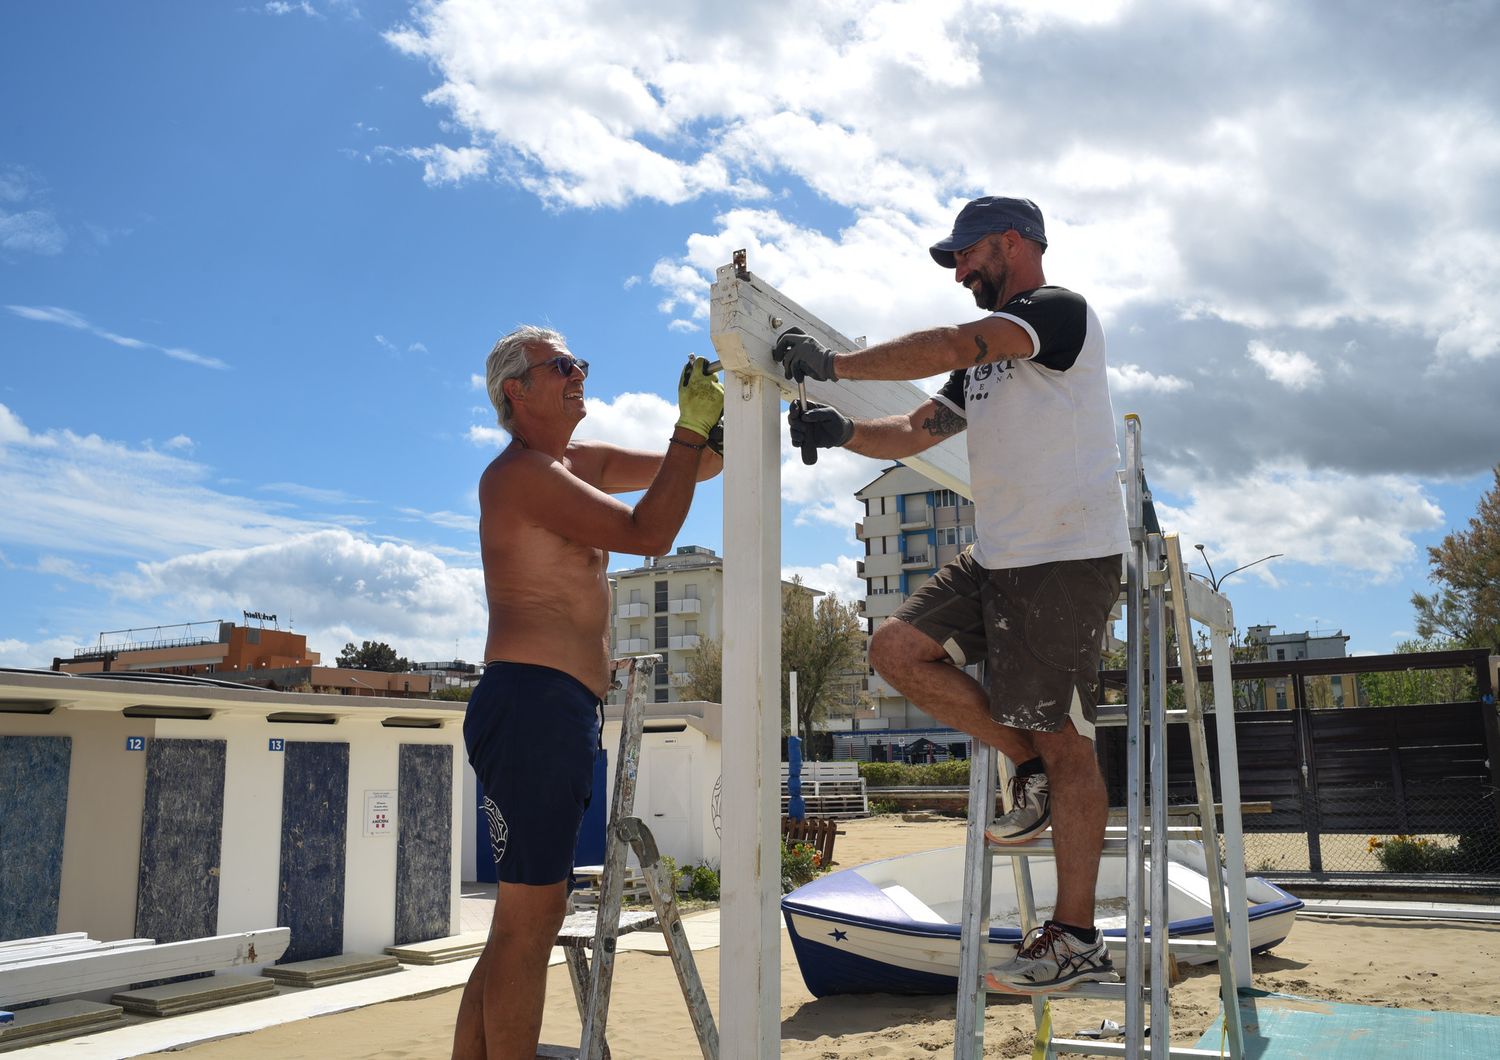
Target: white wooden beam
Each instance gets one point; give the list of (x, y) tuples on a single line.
[(78, 973), (747, 315)]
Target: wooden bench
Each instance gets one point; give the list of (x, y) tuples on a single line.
[(819, 832)]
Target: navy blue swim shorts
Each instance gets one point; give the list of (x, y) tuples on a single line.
[(532, 732)]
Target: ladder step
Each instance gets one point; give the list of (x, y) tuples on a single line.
[(1117, 1048), (1091, 991), (579, 929), (1115, 845), (1114, 714)]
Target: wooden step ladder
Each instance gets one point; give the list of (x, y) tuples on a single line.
[(1154, 576), (598, 929)]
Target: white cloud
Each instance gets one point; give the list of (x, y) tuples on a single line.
[(336, 586), (69, 319), (180, 442), (488, 437), (316, 494), (37, 654), (824, 492), (445, 519), (449, 165), (106, 497), (289, 7), (634, 420), (33, 229), (1130, 378), (1360, 524), (838, 577), (1291, 368)]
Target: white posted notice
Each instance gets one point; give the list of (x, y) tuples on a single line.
[(380, 812)]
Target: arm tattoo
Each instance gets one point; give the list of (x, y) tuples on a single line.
[(943, 422), (984, 349)]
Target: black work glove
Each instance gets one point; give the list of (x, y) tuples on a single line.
[(819, 426), (716, 437), (800, 355)]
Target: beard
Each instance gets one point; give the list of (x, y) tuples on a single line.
[(987, 289)]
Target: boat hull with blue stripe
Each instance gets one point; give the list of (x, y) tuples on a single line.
[(892, 926)]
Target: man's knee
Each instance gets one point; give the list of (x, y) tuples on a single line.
[(529, 916), (896, 645)]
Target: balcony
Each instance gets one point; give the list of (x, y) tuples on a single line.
[(685, 606), (686, 641), (921, 519), (634, 646), (636, 610), (920, 561), (679, 678)]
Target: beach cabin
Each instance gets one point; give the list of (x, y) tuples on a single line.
[(172, 808)]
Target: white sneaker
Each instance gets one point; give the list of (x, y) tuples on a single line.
[(1030, 812), (1051, 960)]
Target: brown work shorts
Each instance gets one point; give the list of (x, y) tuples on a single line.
[(1037, 629)]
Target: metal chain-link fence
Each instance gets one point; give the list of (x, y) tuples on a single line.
[(1457, 832)]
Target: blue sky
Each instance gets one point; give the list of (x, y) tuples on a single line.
[(252, 257)]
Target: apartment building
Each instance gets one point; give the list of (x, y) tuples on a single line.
[(911, 528), (668, 607), (1337, 690)]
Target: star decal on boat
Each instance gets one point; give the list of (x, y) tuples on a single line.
[(839, 936)]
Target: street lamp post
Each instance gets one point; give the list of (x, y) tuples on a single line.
[(1215, 582)]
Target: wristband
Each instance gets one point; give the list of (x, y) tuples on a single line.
[(689, 445)]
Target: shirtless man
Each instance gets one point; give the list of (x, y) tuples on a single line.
[(547, 524)]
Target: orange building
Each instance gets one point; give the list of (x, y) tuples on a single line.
[(268, 658)]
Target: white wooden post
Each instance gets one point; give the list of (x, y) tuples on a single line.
[(750, 950), (746, 316)]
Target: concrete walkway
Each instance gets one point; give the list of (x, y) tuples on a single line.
[(477, 908)]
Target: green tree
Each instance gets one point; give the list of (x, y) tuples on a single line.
[(823, 642), (457, 693), (373, 655), (705, 671), (1466, 568), (1407, 688)]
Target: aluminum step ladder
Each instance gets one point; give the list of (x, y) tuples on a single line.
[(1155, 575), (599, 928)]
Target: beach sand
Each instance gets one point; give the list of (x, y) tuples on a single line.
[(1444, 966)]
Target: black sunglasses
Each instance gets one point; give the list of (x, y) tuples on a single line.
[(564, 363)]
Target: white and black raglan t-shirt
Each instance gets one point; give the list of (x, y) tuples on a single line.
[(1041, 432)]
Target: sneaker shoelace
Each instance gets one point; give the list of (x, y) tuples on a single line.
[(1019, 792), (1046, 936)]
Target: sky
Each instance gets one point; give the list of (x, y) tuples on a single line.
[(253, 255)]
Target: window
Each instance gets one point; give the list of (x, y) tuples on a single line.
[(690, 627), (661, 596), (1281, 657), (948, 499), (660, 674), (690, 591), (662, 694), (955, 535), (635, 596), (635, 631), (661, 631)]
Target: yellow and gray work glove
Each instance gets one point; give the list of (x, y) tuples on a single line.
[(700, 398)]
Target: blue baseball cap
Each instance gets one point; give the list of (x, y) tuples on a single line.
[(992, 213)]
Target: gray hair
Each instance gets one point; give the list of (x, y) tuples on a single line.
[(508, 361)]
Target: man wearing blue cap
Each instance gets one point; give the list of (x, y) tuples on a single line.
[(1031, 597)]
